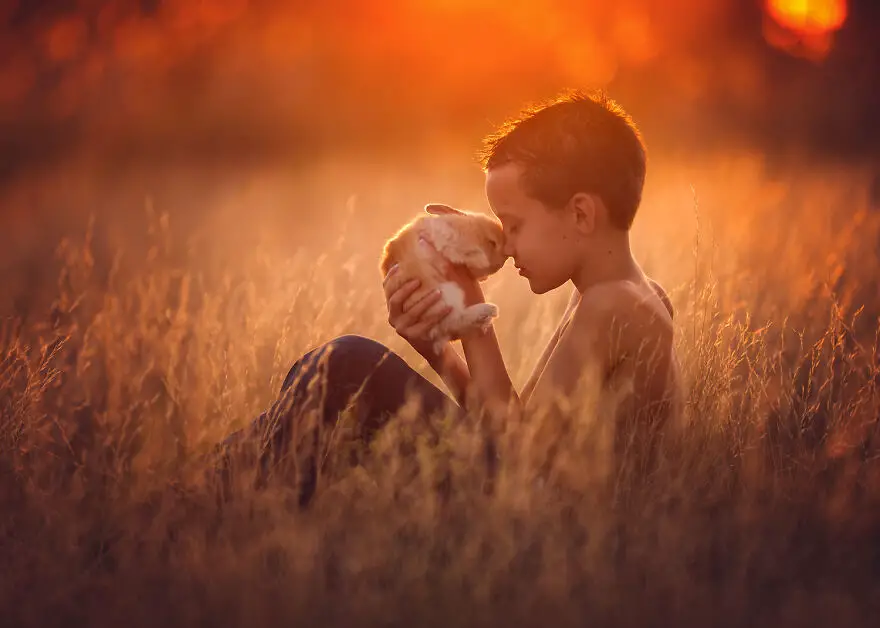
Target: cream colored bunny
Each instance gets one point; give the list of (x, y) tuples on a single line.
[(475, 241)]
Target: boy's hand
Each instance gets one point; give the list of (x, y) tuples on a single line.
[(413, 312)]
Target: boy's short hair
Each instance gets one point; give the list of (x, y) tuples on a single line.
[(576, 143)]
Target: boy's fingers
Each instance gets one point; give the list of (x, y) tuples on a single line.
[(424, 312), (437, 312), (430, 317), (418, 297), (397, 297), (417, 311), (394, 282), (429, 320), (391, 273)]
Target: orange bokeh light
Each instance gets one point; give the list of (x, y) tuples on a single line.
[(66, 39), (804, 28), (810, 17)]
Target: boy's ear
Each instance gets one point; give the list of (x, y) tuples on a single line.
[(584, 208), (438, 209)]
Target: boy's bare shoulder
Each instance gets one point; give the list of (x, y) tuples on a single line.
[(622, 304), (610, 321), (625, 297)]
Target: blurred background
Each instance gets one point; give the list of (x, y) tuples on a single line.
[(195, 192), (268, 127)]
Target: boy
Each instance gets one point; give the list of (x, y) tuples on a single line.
[(565, 180)]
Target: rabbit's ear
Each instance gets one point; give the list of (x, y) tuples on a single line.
[(438, 209)]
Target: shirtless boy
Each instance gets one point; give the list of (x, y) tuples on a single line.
[(565, 180)]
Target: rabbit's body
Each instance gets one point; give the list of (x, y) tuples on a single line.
[(472, 240)]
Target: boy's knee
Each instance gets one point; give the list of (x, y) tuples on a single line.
[(352, 345), (349, 354)]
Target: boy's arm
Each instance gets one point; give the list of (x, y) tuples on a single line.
[(489, 385), (412, 312), (453, 370), (483, 379)]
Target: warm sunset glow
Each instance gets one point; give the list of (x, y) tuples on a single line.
[(808, 16), (65, 39), (195, 197), (804, 28)]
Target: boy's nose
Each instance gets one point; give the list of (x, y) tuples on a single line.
[(507, 249)]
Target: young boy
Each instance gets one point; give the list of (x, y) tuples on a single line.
[(565, 180)]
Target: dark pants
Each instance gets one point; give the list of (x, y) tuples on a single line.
[(349, 376)]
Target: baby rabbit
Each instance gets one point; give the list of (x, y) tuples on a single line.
[(473, 240)]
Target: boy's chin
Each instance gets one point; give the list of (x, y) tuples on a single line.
[(537, 287)]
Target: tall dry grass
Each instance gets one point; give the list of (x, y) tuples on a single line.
[(765, 510)]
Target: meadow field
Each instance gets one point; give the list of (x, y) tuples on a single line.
[(140, 330)]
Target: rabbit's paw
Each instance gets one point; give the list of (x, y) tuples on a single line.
[(481, 315)]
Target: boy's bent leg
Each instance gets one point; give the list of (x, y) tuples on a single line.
[(354, 368), (350, 373)]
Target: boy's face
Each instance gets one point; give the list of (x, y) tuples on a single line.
[(540, 239)]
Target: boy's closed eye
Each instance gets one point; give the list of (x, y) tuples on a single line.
[(509, 224)]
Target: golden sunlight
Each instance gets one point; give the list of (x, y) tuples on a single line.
[(808, 16), (804, 28)]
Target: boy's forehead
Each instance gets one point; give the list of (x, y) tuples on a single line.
[(503, 189), (504, 178)]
